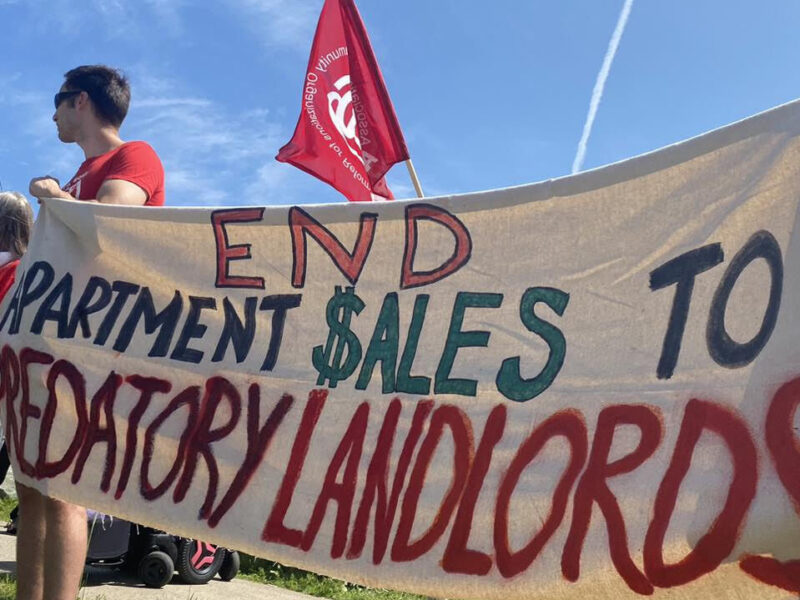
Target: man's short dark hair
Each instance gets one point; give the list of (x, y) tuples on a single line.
[(107, 88)]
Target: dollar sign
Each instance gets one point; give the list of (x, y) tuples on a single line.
[(338, 313)]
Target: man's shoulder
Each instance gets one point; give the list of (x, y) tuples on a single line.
[(139, 164), (137, 155), (137, 148)]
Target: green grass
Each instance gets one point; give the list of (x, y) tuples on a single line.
[(8, 587), (6, 506), (8, 583), (266, 571)]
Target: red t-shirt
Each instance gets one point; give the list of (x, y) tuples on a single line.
[(136, 162), (7, 276)]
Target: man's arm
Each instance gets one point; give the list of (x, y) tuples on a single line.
[(119, 191), (113, 191)]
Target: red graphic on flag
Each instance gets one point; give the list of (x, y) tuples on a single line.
[(347, 134)]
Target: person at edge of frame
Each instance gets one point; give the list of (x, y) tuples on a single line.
[(16, 222)]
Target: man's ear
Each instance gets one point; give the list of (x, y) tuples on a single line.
[(81, 100)]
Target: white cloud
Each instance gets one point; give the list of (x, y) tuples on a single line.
[(111, 19), (193, 187), (287, 23), (281, 22), (212, 154), (401, 190), (402, 187), (168, 13), (270, 178), (155, 102), (32, 117)]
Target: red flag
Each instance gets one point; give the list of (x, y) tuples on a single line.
[(347, 134)]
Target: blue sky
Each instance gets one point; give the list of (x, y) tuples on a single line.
[(488, 95)]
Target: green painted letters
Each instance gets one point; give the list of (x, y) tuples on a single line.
[(509, 381)]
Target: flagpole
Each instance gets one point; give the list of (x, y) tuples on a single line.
[(414, 179)]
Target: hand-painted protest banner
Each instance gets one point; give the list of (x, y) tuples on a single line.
[(584, 386)]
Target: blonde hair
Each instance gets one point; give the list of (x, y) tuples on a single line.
[(16, 222)]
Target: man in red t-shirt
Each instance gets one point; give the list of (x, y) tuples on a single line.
[(90, 107)]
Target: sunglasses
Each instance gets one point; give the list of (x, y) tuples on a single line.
[(61, 96)]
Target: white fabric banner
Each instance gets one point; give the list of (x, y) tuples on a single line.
[(586, 386)]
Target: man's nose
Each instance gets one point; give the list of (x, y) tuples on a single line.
[(54, 116)]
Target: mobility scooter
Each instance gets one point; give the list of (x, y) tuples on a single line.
[(155, 555)]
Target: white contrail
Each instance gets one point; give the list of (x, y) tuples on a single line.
[(597, 93)]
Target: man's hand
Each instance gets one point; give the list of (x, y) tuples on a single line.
[(47, 187)]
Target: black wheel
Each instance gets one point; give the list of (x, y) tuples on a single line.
[(156, 569), (230, 565), (198, 562)]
